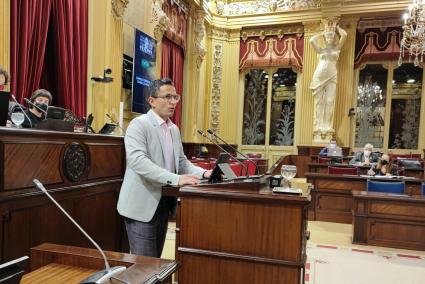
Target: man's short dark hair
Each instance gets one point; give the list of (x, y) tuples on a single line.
[(41, 93), (5, 74), (157, 84)]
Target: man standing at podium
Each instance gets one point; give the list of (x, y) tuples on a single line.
[(155, 158)]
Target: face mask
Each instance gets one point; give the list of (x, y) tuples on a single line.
[(41, 106), (367, 153), (384, 162)]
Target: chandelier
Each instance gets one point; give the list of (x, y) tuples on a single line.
[(413, 40)]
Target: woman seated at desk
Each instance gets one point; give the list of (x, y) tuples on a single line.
[(384, 167)]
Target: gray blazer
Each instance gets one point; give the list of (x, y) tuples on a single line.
[(145, 174)]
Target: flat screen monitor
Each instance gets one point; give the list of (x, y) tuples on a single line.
[(4, 107), (11, 272), (55, 112), (143, 70)]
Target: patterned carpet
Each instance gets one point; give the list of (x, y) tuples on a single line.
[(328, 264)]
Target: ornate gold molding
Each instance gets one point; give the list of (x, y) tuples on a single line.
[(261, 6), (118, 8), (217, 33), (161, 22), (199, 30), (279, 31), (379, 23), (312, 27), (217, 73)]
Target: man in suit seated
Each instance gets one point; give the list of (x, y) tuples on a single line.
[(155, 158), (366, 157)]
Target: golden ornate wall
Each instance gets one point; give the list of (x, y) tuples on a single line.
[(5, 36)]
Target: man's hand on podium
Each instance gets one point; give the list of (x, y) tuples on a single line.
[(188, 179)]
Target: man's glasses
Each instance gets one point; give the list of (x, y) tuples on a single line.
[(169, 97)]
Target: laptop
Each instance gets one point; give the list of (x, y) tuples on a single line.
[(4, 107)]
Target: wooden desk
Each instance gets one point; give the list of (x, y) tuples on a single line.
[(238, 232), (83, 172), (323, 168), (332, 199), (52, 263), (388, 220)]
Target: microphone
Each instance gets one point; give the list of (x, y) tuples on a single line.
[(233, 148), (100, 276), (114, 122), (224, 150), (19, 105), (33, 105)]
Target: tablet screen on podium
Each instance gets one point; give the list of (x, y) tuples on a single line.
[(217, 172)]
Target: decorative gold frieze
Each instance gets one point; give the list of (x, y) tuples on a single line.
[(217, 33), (199, 30), (118, 8), (217, 73), (261, 6), (161, 22), (279, 31), (379, 23)]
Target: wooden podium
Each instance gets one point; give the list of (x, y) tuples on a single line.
[(241, 232), (52, 263)]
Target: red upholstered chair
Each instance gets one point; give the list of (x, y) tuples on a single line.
[(394, 157), (204, 165), (322, 160), (250, 166), (343, 170), (401, 171), (236, 168)]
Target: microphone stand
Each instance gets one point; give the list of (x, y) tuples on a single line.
[(233, 148), (19, 105), (224, 150), (98, 277)]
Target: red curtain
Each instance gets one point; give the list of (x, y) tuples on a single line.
[(70, 34), (172, 58), (60, 32), (29, 23)]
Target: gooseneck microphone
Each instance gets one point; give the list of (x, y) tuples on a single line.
[(34, 105), (114, 122), (98, 277), (233, 148), (224, 150), (19, 105)]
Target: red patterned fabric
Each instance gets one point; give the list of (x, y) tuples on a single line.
[(272, 52), (373, 44), (178, 29)]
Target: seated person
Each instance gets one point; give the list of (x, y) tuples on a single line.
[(4, 78), (366, 157), (331, 145), (42, 99), (385, 167)]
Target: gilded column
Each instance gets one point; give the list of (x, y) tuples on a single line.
[(5, 36), (345, 92), (194, 89), (305, 107), (230, 88), (105, 51)]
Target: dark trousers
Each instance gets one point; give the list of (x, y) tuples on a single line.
[(148, 238)]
